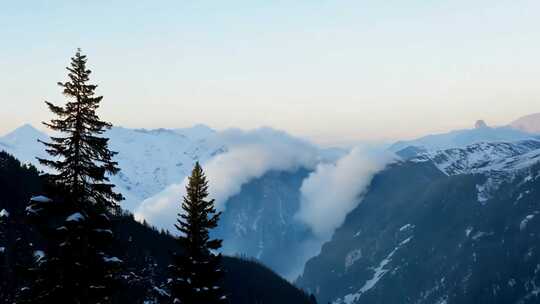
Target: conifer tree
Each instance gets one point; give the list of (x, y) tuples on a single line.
[(197, 273), (85, 159), (76, 221)]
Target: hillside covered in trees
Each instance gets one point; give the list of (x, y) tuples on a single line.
[(144, 250)]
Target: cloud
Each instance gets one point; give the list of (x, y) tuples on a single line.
[(249, 155), (335, 189)]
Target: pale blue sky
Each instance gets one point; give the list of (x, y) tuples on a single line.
[(332, 71)]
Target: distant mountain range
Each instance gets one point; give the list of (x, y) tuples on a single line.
[(151, 160), (260, 220), (460, 138)]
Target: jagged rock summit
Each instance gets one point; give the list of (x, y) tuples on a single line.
[(480, 124)]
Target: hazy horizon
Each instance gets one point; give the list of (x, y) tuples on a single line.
[(331, 72), (337, 142)]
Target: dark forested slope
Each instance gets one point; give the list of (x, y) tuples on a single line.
[(144, 250)]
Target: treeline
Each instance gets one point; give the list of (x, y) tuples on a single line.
[(73, 244)]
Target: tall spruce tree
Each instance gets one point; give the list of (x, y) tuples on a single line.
[(76, 222), (196, 273), (85, 159)]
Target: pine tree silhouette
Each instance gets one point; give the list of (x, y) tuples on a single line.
[(85, 159), (197, 273), (76, 221)]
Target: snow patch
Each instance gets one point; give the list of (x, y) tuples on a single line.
[(525, 221), (481, 234), (39, 255), (40, 199), (379, 272), (468, 231), (113, 260), (4, 213), (75, 217), (406, 227)]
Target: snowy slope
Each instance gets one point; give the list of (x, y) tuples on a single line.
[(498, 162), (484, 157), (153, 159), (23, 143), (150, 159)]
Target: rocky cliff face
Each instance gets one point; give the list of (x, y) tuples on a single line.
[(259, 221)]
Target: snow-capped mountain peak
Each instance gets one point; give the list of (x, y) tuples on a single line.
[(484, 157), (22, 134), (498, 162), (480, 124), (23, 143)]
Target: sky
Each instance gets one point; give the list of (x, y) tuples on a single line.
[(330, 71)]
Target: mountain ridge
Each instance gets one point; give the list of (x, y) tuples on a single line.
[(528, 123), (427, 234)]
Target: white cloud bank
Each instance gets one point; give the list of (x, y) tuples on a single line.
[(333, 190), (250, 154), (328, 194)]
